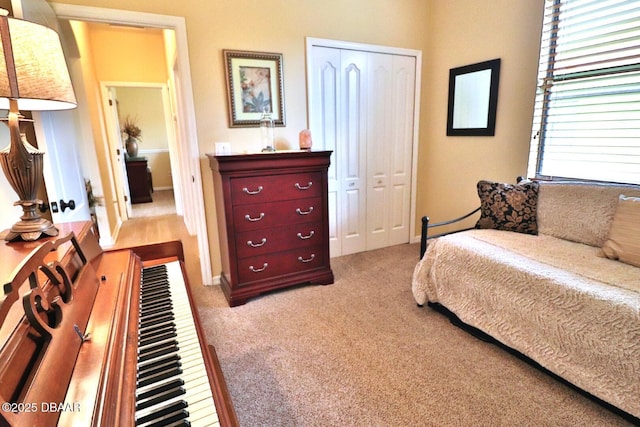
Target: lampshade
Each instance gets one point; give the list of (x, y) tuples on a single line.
[(33, 70), (33, 76)]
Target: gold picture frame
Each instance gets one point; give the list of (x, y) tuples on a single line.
[(254, 85)]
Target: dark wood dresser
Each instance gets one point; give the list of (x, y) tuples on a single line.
[(139, 177), (273, 221)]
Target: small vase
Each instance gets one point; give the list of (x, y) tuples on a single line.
[(131, 145), (266, 132)]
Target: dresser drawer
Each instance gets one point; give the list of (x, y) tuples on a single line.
[(275, 264), (268, 188), (266, 215), (277, 239)]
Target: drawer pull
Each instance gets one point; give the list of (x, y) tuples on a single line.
[(251, 193), (248, 217), (307, 212), (310, 235), (257, 245), (300, 187), (308, 259), (258, 270)]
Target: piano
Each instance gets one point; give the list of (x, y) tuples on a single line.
[(93, 337)]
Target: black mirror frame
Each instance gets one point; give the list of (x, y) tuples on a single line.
[(490, 130)]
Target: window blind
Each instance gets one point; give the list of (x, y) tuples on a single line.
[(586, 122)]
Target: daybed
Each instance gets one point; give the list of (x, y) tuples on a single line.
[(534, 275)]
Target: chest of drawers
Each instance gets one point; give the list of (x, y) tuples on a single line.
[(272, 213)]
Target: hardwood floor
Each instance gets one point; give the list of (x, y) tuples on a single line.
[(163, 204), (156, 229)]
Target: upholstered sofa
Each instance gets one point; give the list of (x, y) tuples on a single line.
[(551, 270)]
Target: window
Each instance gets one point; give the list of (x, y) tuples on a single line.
[(586, 122)]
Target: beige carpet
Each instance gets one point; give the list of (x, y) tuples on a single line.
[(361, 353)]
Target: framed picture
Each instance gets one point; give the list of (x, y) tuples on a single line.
[(473, 99), (254, 86)]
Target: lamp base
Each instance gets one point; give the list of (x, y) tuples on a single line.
[(31, 225)]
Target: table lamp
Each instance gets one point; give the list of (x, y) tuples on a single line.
[(33, 77)]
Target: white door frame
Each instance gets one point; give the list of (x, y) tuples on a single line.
[(190, 171), (339, 44)]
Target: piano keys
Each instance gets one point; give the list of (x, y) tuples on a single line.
[(80, 350), (170, 364)]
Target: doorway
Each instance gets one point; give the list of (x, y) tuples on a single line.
[(183, 106), (148, 106)]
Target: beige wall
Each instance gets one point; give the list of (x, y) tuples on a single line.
[(464, 32), (449, 33), (146, 105)]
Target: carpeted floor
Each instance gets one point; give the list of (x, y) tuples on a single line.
[(361, 353)]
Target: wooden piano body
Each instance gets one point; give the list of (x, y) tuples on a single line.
[(57, 293)]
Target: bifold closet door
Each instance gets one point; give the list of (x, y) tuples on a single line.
[(361, 107), (390, 90)]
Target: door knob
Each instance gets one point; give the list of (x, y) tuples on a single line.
[(43, 207), (71, 204)]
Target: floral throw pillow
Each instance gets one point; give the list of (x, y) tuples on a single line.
[(510, 207)]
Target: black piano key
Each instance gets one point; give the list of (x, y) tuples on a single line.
[(150, 277), (163, 413), (153, 391), (155, 286), (158, 337), (148, 373), (155, 319), (158, 283), (155, 303), (148, 274), (157, 329), (153, 316), (153, 278), (172, 358), (162, 301), (157, 347), (170, 419), (160, 351), (157, 294), (154, 311), (162, 397), (179, 423), (159, 377)]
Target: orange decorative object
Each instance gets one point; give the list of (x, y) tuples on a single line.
[(305, 139)]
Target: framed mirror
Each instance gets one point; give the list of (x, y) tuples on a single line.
[(473, 99)]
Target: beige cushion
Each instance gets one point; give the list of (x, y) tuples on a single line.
[(624, 235)]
